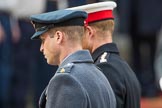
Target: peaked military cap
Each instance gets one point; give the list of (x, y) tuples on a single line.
[(97, 11), (45, 21)]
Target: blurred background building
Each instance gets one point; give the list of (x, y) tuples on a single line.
[(24, 72)]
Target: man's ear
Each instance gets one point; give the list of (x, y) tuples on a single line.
[(90, 31), (59, 36)]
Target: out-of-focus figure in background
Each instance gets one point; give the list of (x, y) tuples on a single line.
[(141, 20), (158, 61), (24, 55), (5, 51)]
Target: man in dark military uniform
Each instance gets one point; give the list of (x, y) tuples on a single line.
[(77, 83), (98, 39)]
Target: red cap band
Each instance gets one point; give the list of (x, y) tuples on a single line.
[(95, 16)]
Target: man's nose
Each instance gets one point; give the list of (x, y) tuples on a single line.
[(41, 48)]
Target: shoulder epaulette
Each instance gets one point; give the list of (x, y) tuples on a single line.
[(66, 69)]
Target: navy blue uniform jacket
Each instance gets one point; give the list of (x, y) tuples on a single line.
[(78, 83), (121, 77)]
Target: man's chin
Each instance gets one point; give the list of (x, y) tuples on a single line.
[(52, 63)]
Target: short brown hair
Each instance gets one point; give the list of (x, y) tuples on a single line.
[(104, 25), (74, 33)]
